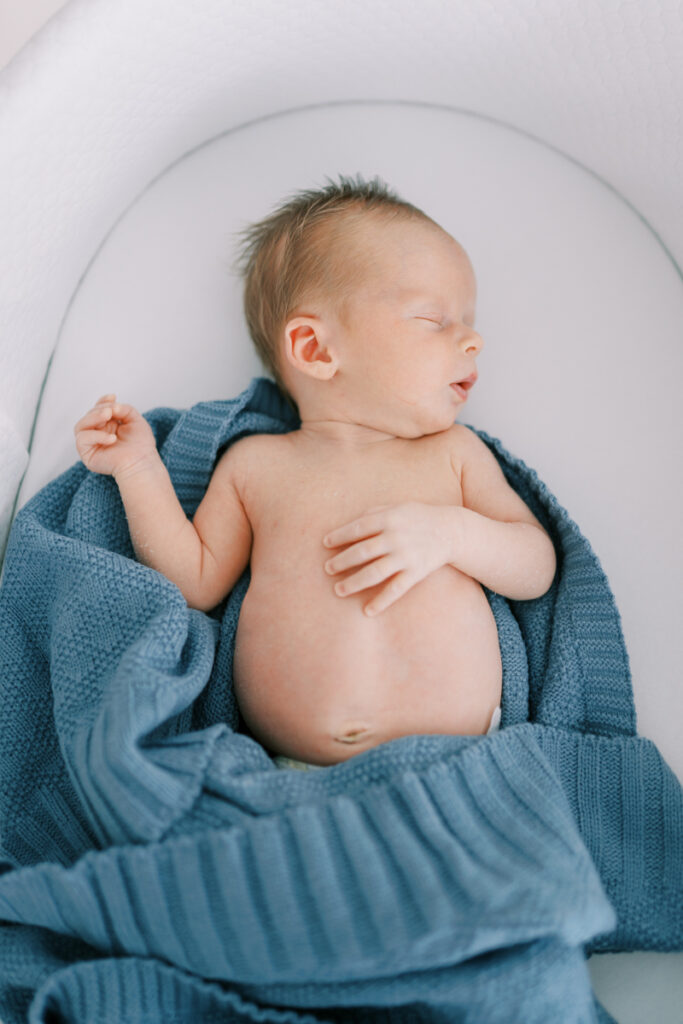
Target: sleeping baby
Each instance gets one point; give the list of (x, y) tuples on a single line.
[(371, 529)]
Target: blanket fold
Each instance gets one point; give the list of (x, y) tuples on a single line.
[(154, 861)]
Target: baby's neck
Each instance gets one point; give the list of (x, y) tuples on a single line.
[(339, 435)]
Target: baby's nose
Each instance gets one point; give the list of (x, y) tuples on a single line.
[(472, 342)]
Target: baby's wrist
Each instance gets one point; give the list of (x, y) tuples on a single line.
[(146, 465)]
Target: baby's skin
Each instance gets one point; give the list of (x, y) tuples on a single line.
[(369, 537)]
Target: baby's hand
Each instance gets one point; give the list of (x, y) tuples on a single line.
[(415, 539), (113, 438)]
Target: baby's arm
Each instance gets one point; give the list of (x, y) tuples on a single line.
[(497, 539), (204, 558), (162, 536)]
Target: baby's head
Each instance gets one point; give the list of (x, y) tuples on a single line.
[(361, 307)]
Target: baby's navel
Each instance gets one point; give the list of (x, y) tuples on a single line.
[(354, 734)]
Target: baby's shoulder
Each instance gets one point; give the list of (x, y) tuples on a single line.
[(252, 446), (245, 466), (251, 453)]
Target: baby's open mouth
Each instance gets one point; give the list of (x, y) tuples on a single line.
[(462, 387), (467, 382)]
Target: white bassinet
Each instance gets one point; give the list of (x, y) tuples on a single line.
[(137, 136)]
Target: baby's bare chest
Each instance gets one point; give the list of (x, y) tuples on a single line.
[(293, 497)]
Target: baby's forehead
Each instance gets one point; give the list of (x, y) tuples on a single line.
[(451, 277), (408, 262), (433, 248)]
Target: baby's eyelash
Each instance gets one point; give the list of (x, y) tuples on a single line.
[(440, 323)]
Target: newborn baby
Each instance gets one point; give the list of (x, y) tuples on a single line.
[(369, 530)]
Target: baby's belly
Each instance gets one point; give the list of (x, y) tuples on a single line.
[(318, 680)]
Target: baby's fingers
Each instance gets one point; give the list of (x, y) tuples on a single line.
[(93, 418), (102, 414), (88, 438)]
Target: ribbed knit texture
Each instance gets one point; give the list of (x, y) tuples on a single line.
[(155, 865)]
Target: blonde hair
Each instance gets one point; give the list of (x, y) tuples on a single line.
[(300, 252)]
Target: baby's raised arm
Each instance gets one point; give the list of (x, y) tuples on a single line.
[(113, 438)]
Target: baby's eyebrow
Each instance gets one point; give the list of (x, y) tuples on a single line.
[(411, 296)]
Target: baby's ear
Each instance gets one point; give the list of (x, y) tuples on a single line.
[(306, 348)]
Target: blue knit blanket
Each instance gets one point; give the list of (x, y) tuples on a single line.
[(156, 865)]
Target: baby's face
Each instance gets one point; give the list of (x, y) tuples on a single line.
[(411, 333)]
